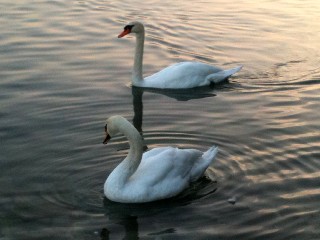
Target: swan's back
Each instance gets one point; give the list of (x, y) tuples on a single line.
[(181, 75), (166, 164)]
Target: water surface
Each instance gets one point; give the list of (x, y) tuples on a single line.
[(63, 72)]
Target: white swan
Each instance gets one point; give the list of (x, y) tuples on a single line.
[(156, 174), (176, 76)]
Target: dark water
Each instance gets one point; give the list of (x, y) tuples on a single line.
[(63, 72)]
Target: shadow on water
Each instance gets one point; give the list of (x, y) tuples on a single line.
[(179, 94), (131, 229)]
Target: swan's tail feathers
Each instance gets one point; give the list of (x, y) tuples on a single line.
[(223, 75), (210, 154), (204, 162), (232, 71)]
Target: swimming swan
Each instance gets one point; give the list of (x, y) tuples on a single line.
[(176, 76), (156, 174)]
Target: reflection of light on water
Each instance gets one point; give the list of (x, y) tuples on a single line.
[(309, 192), (63, 74)]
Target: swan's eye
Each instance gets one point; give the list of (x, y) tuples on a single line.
[(105, 128), (128, 27)]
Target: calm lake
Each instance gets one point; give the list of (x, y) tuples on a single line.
[(63, 72)]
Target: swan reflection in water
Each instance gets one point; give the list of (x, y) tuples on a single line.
[(127, 215), (130, 225), (178, 94)]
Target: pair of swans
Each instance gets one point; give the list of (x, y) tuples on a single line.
[(165, 171)]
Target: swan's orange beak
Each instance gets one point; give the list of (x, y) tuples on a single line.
[(125, 32)]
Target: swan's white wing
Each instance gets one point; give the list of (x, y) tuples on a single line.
[(181, 75), (164, 172), (166, 162)]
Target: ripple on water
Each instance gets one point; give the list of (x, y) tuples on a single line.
[(64, 71)]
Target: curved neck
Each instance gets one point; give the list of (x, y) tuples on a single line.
[(130, 164), (138, 58)]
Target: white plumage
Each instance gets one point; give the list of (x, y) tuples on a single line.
[(177, 76), (156, 174)]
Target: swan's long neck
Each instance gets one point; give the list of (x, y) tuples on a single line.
[(130, 164), (138, 59)]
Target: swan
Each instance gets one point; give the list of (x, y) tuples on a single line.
[(157, 174), (176, 76)]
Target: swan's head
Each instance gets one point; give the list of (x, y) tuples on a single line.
[(133, 27), (113, 126), (110, 128)]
